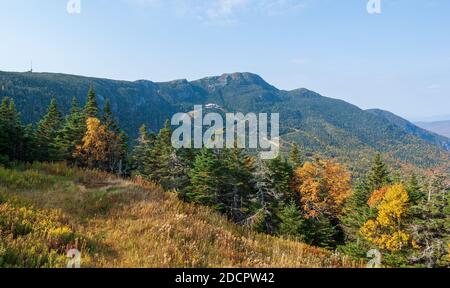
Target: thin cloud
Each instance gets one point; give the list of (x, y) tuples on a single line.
[(299, 61), (434, 86), (224, 11)]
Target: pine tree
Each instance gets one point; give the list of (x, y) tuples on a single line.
[(123, 163), (379, 175), (237, 183), (292, 222), (12, 141), (108, 118), (281, 173), (47, 133), (71, 134), (205, 179), (295, 159), (141, 151), (356, 212), (414, 189), (91, 108), (157, 167), (322, 232)]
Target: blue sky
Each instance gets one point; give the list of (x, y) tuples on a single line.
[(398, 60)]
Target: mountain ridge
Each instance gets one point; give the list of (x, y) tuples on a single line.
[(412, 128)]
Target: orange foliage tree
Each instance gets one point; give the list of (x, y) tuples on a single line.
[(100, 148), (377, 196), (324, 186)]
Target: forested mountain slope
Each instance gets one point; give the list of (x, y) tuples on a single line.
[(319, 124)]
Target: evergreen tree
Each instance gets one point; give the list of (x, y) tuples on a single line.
[(281, 173), (108, 118), (237, 183), (322, 232), (430, 227), (91, 108), (29, 144), (205, 179), (379, 175), (356, 212), (292, 222), (71, 134), (157, 167), (122, 164), (295, 159), (264, 219), (47, 133), (141, 151), (414, 190), (12, 141)]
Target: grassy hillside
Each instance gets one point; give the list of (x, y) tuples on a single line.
[(48, 208)]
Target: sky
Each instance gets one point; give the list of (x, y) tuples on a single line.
[(398, 60)]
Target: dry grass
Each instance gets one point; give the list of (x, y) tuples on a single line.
[(139, 225)]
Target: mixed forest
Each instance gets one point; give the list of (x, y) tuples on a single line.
[(299, 196)]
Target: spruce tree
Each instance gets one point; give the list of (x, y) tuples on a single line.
[(123, 163), (356, 211), (141, 151), (91, 108), (237, 183), (379, 175), (12, 141), (292, 221), (47, 132), (71, 134), (205, 180), (414, 189), (158, 168), (295, 159), (281, 173), (108, 118)]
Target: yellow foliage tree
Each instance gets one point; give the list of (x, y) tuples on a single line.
[(324, 186), (100, 147), (386, 231)]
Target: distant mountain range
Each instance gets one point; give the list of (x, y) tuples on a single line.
[(327, 126), (439, 127)]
